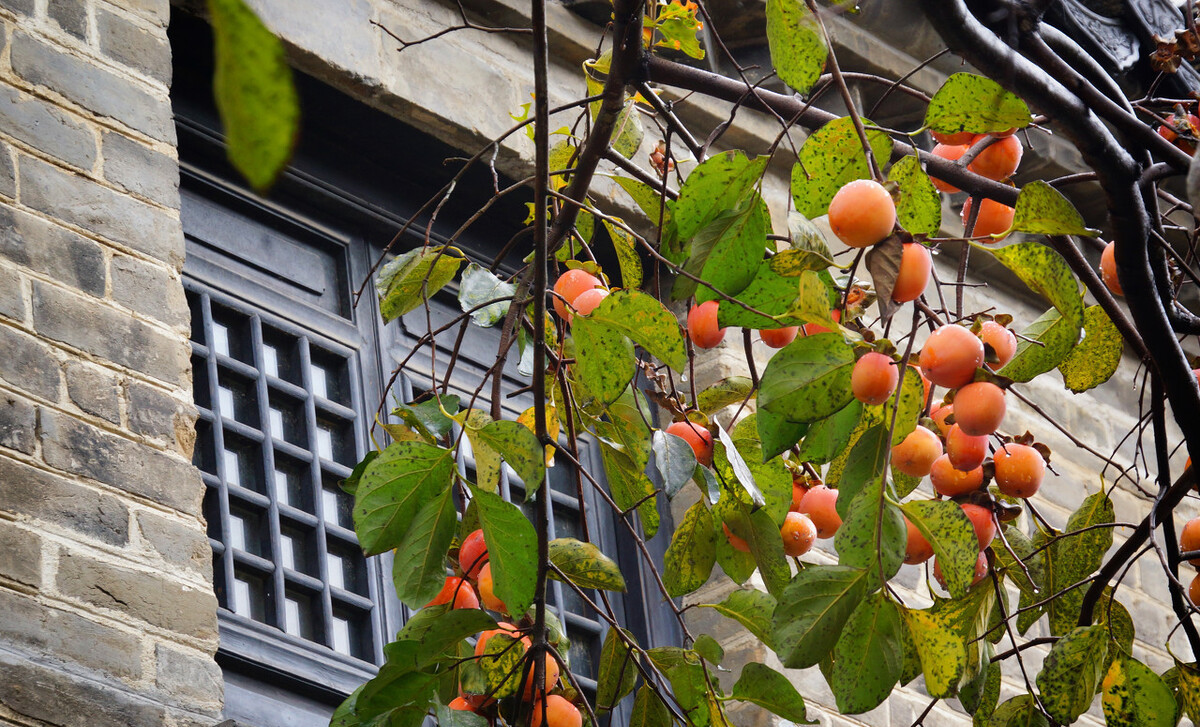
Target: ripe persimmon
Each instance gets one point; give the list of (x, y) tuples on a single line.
[(916, 454), (1020, 470), (950, 482), (995, 218), (939, 414), (950, 152), (559, 713), (874, 378), (698, 437), (999, 160), (798, 533), (487, 590), (965, 451), (1189, 539), (460, 703), (1002, 341), (1108, 270), (862, 213), (820, 505), (915, 266), (950, 356), (456, 591), (799, 490), (917, 549), (702, 325), (778, 337), (984, 522), (587, 301), (472, 554), (979, 408), (549, 681), (569, 286), (1194, 590)]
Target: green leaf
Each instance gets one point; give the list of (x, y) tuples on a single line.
[(447, 717), (350, 484), (1045, 272), (949, 531), (984, 705), (830, 436), (628, 259), (716, 185), (967, 102), (478, 286), (809, 251), (437, 628), (1043, 210), (707, 647), (627, 134), (752, 609), (864, 469), (392, 489), (797, 47), (419, 570), (1081, 553), (772, 691), (912, 403), (629, 485), (642, 318), (1019, 711), (873, 534), (691, 693), (919, 206), (777, 434), (1096, 358), (675, 460), (1071, 672), (726, 253), (412, 278), (813, 610), (728, 460), (521, 449), (771, 294), (1187, 678), (727, 391), (808, 379), (585, 565), (941, 648), (254, 93), (867, 659), (649, 710), (488, 463), (689, 559), (767, 547), (829, 159), (1134, 696), (512, 550), (616, 672), (604, 359), (679, 26)]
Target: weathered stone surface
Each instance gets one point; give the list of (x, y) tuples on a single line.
[(66, 637), (52, 249), (93, 87), (100, 210), (80, 448), (183, 545), (34, 493), (94, 390), (149, 289), (71, 16), (192, 675), (154, 413), (18, 423), (20, 7), (45, 693), (12, 295), (99, 329), (8, 171), (46, 127), (133, 45), (20, 554), (140, 169), (155, 599), (28, 364)]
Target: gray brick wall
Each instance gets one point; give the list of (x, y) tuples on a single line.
[(109, 616)]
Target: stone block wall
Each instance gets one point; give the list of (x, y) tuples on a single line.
[(107, 612)]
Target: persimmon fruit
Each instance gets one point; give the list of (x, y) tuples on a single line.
[(979, 408), (916, 263), (995, 218), (983, 521), (799, 490), (862, 213), (1020, 470), (1189, 539), (504, 628), (949, 152), (569, 286), (999, 160), (472, 554), (950, 482), (812, 329), (587, 301), (950, 356), (457, 592), (1194, 590), (1108, 270), (1002, 341), (559, 713), (799, 533), (939, 414), (487, 590), (916, 454), (460, 703), (699, 438), (778, 337), (965, 451), (917, 548), (702, 325), (820, 505), (874, 378), (550, 678)]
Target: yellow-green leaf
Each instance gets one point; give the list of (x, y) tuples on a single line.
[(1134, 696), (941, 649), (585, 565), (809, 379), (412, 278), (919, 206), (1043, 210), (1072, 671), (797, 47), (689, 559), (966, 102), (829, 159), (1094, 360)]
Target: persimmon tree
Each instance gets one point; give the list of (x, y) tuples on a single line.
[(878, 422)]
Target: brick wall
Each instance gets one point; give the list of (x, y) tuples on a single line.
[(107, 615)]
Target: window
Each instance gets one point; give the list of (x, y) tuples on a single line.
[(288, 375)]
